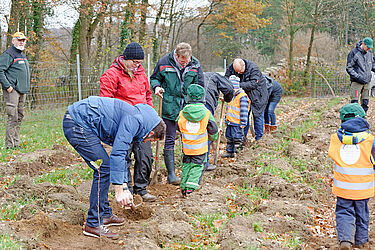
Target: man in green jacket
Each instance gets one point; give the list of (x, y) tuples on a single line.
[(173, 74), (15, 82)]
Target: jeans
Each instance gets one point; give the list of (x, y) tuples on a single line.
[(89, 146), (258, 127), (14, 103), (352, 220), (269, 114), (170, 133)]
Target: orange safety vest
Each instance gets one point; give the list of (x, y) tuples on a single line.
[(194, 135), (353, 176), (234, 109)]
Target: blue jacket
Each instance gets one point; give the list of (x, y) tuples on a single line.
[(360, 64), (117, 124), (275, 90)]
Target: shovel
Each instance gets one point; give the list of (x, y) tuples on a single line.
[(155, 175)]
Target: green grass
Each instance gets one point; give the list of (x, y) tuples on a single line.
[(39, 129), (73, 175), (9, 210), (8, 243)]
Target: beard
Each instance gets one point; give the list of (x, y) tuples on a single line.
[(22, 48)]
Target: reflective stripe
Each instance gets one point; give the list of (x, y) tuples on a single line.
[(353, 186), (354, 171), (192, 183), (195, 146), (235, 108), (234, 115), (194, 137)]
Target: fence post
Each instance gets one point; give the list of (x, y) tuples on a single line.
[(79, 79), (148, 66), (225, 65)]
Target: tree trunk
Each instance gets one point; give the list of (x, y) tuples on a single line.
[(143, 26), (155, 40), (315, 23), (13, 20)]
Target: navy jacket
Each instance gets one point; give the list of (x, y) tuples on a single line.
[(275, 90), (117, 124), (360, 64), (214, 84), (254, 84)]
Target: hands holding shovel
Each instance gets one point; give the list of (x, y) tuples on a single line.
[(123, 195)]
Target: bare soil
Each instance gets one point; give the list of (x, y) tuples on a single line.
[(55, 221)]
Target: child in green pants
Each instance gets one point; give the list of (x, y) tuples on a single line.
[(197, 125)]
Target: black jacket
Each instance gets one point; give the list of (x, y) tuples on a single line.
[(254, 84), (360, 64), (214, 82), (275, 90)]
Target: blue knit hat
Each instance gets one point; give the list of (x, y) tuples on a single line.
[(134, 51), (235, 81)]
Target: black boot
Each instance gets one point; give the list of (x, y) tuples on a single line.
[(169, 164)]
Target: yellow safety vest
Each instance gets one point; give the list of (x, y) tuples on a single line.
[(194, 135), (353, 171), (234, 109)]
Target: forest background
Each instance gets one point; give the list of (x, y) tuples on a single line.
[(268, 32)]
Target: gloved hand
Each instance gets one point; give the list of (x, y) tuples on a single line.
[(159, 91)]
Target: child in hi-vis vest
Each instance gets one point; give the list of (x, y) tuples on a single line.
[(236, 118), (197, 125), (352, 149)]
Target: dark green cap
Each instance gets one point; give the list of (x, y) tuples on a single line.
[(350, 111), (368, 41), (195, 93)]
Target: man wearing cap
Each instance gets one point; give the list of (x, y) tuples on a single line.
[(352, 149), (15, 82), (126, 80), (359, 65)]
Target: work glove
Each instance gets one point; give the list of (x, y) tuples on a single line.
[(159, 91)]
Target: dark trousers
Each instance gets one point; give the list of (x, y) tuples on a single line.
[(209, 142), (234, 135), (352, 220), (170, 133), (142, 167), (89, 146)]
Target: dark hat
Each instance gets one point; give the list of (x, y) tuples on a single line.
[(133, 51), (350, 111), (368, 41), (195, 93)]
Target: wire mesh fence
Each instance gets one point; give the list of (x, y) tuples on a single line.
[(56, 86)]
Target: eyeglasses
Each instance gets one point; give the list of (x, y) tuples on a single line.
[(136, 62)]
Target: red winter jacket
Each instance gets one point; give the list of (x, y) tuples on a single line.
[(116, 83)]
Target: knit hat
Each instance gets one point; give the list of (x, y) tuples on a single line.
[(195, 93), (235, 81), (350, 111), (368, 41), (133, 51)]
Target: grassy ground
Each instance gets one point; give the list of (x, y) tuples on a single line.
[(40, 129)]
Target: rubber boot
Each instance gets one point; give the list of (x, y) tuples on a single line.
[(273, 128), (169, 163), (267, 128)]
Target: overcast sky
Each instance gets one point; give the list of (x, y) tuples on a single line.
[(65, 15)]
